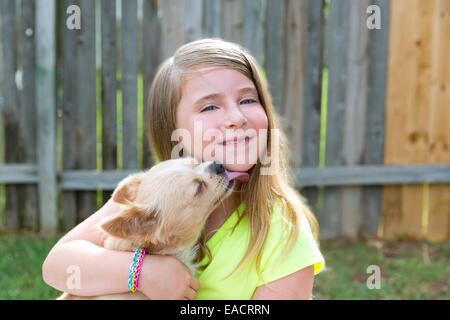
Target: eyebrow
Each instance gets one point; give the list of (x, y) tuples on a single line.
[(218, 95), (208, 97)]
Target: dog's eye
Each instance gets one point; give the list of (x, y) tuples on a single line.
[(193, 165), (201, 185)]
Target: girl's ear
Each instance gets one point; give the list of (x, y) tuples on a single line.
[(127, 189), (134, 223)]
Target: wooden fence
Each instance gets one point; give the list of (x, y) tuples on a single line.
[(384, 133), (418, 117)]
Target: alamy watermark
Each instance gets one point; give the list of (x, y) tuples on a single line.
[(374, 281), (74, 280), (73, 21), (374, 20)]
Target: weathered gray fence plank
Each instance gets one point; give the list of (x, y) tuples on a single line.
[(211, 16), (337, 79), (294, 72), (355, 115), (301, 177), (274, 56), (375, 117), (172, 26), (69, 119), (86, 127), (92, 179), (19, 173), (151, 28), (1, 77), (46, 113), (232, 20), (70, 114), (109, 87), (28, 118), (193, 13), (313, 95), (128, 83), (11, 109), (370, 175), (254, 28)]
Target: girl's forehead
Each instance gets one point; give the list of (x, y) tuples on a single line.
[(200, 72), (206, 68), (213, 78)]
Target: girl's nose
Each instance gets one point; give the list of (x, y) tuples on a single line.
[(235, 118)]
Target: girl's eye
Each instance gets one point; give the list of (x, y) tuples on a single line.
[(208, 108), (248, 101)]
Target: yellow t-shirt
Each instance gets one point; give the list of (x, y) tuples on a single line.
[(227, 249)]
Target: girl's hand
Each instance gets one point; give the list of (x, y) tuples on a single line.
[(167, 278)]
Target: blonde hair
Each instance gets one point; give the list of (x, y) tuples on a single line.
[(261, 191)]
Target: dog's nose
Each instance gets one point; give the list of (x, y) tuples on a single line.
[(217, 168)]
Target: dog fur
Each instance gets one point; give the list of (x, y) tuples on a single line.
[(165, 210)]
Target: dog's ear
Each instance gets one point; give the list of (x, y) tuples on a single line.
[(126, 191), (134, 223)]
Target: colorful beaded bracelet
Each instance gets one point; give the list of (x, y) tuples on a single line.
[(135, 269)]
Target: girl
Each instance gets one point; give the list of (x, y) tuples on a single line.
[(260, 243)]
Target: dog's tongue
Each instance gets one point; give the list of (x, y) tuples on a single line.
[(238, 175)]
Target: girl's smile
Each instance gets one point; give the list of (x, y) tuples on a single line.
[(236, 142)]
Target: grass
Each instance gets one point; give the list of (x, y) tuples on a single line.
[(408, 270), (21, 266)]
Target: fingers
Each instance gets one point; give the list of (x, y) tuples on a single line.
[(195, 285), (190, 294)]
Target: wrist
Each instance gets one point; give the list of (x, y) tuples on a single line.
[(135, 269), (118, 263), (145, 276)]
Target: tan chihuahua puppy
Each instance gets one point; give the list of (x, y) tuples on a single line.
[(164, 211)]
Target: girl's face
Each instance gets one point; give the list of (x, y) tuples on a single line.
[(224, 120)]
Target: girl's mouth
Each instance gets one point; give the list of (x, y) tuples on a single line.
[(237, 143)]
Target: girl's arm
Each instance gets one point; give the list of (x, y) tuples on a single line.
[(80, 253), (296, 286)]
